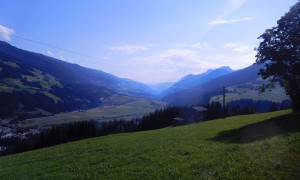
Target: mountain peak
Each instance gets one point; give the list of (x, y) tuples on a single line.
[(191, 80), (223, 68), (209, 70), (226, 68)]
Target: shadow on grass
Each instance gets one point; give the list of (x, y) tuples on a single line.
[(261, 130)]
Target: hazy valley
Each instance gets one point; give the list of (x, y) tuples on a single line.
[(150, 89)]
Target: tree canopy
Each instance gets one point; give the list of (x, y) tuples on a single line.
[(280, 53)]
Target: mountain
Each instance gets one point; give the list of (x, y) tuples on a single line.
[(191, 81), (31, 81), (160, 87), (202, 93)]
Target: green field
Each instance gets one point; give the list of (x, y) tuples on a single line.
[(260, 146), (134, 108), (251, 91)]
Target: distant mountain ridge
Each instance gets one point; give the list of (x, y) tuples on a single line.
[(31, 81), (97, 77), (191, 80), (202, 93), (35, 82)]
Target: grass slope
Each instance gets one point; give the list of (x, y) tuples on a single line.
[(261, 146)]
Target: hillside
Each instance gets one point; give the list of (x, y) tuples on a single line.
[(260, 146), (202, 93), (35, 82), (191, 80), (250, 90)]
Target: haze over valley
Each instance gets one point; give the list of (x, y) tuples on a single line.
[(158, 89)]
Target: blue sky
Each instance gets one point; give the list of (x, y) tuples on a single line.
[(150, 41)]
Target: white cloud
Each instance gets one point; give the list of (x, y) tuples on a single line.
[(170, 57), (234, 61), (58, 55), (229, 8), (5, 33), (191, 61), (173, 64), (230, 21), (238, 47), (129, 49), (232, 6), (168, 65)]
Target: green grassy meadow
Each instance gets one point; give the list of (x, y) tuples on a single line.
[(134, 108), (260, 146), (250, 91)]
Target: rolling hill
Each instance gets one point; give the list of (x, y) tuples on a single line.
[(260, 146), (38, 83)]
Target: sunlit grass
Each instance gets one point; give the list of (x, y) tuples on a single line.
[(198, 151)]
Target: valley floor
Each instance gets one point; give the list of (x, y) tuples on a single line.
[(260, 146), (134, 108)]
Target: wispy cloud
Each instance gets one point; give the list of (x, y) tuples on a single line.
[(190, 60), (177, 62), (180, 62), (232, 6), (237, 61), (238, 47), (58, 55), (129, 49), (5, 33), (230, 21), (228, 9)]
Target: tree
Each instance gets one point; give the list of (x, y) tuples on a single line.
[(273, 107), (280, 53)]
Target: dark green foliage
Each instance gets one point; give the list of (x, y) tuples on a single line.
[(160, 118), (244, 106), (214, 110), (279, 51), (56, 135), (165, 117), (250, 106), (117, 126), (273, 107)]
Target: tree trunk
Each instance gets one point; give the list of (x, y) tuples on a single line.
[(296, 103)]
